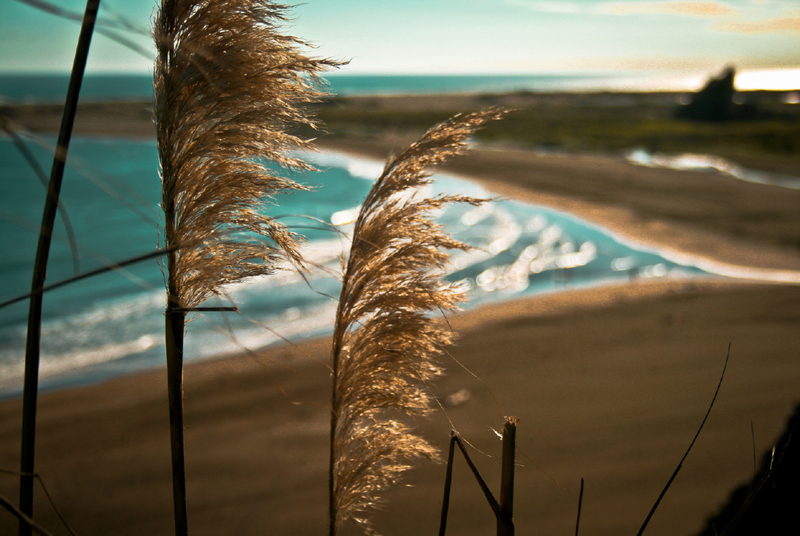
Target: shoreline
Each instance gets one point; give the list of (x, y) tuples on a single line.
[(513, 190), (610, 384), (706, 215), (645, 230)]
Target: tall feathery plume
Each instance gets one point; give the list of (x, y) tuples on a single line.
[(385, 345), (228, 86)]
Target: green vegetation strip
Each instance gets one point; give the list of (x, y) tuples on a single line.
[(770, 142)]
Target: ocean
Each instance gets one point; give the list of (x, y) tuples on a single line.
[(51, 88), (28, 88), (112, 324)]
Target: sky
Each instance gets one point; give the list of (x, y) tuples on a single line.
[(458, 36)]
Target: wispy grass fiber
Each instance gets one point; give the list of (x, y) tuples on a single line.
[(385, 343)]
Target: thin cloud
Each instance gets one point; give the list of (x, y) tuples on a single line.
[(787, 23), (726, 18), (695, 9), (565, 8)]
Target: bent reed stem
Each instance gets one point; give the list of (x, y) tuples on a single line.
[(33, 341)]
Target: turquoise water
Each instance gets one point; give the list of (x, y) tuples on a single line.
[(112, 324), (53, 87), (438, 84)]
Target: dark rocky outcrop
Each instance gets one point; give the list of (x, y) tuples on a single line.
[(768, 504), (712, 103)]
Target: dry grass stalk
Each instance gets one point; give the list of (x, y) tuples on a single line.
[(385, 345), (228, 88)]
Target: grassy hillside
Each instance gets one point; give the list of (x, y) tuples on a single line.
[(596, 122)]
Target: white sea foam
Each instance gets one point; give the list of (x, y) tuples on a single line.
[(358, 167), (216, 339), (709, 266), (704, 162)]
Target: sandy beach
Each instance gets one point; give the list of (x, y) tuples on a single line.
[(609, 383)]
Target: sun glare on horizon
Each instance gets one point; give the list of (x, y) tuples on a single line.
[(768, 79)]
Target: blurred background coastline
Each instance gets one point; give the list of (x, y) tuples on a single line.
[(609, 381)]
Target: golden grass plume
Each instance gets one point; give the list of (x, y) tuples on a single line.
[(385, 344), (228, 89)]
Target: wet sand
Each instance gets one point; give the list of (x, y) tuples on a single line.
[(610, 384)]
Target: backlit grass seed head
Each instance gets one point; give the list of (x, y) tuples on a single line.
[(229, 90), (386, 344)]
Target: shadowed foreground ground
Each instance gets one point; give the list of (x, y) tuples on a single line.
[(610, 384)]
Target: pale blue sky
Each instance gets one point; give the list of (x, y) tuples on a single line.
[(462, 36)]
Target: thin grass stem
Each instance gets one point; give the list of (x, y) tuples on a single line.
[(580, 506), (86, 275), (38, 477), (680, 464), (103, 27), (505, 523), (33, 341), (448, 481), (24, 519), (40, 173)]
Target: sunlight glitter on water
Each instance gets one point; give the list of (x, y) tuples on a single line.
[(110, 326)]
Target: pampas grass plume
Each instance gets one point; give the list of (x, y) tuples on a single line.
[(385, 344), (228, 90)]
